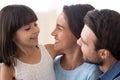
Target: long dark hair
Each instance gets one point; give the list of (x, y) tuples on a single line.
[(12, 17), (75, 15)]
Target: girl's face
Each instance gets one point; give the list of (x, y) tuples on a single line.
[(27, 35)]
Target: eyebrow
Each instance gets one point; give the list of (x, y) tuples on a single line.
[(60, 25), (83, 41)]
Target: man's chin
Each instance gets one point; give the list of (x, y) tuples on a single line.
[(89, 62), (98, 64)]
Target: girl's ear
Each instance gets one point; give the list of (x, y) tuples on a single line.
[(104, 53)]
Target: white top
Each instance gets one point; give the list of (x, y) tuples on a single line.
[(43, 70)]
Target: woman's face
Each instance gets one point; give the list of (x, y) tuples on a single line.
[(64, 39)]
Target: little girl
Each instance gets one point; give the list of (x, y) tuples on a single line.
[(22, 58)]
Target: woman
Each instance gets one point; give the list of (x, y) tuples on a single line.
[(71, 65)]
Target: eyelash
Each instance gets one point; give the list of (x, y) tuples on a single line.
[(60, 28)]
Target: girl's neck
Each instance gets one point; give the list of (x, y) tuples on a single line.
[(27, 51), (30, 56)]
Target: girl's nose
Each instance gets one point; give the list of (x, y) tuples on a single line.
[(36, 29)]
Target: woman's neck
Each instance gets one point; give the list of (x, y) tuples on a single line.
[(70, 61)]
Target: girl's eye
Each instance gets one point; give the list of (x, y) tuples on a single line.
[(27, 27)]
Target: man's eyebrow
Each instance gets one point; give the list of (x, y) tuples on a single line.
[(83, 41)]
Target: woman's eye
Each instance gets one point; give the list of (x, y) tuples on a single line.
[(60, 28)]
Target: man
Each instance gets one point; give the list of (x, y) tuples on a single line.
[(100, 42)]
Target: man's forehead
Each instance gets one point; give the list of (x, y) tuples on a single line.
[(87, 34)]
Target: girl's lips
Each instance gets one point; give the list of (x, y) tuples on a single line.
[(35, 37)]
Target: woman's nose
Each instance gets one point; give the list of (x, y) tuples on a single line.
[(53, 33)]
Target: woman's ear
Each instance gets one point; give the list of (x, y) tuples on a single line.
[(104, 53)]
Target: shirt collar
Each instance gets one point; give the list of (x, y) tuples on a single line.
[(111, 73)]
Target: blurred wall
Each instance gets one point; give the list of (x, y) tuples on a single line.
[(47, 11), (46, 23)]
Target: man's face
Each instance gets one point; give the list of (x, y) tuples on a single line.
[(87, 43)]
